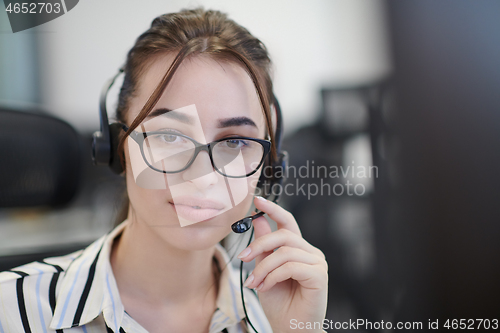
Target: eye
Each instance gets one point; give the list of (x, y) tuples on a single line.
[(168, 137), (235, 143)]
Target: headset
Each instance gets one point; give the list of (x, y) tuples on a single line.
[(105, 153)]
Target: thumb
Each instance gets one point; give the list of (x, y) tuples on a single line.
[(262, 228)]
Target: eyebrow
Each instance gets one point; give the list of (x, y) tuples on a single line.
[(235, 121), (182, 117), (187, 119)]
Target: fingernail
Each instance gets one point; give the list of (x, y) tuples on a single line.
[(259, 287), (260, 198), (244, 253), (249, 280)]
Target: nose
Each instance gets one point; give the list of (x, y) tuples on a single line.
[(201, 173)]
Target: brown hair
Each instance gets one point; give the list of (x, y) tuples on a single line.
[(189, 33)]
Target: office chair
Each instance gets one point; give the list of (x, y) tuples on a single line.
[(40, 167)]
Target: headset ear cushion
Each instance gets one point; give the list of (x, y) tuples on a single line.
[(275, 176), (264, 174), (115, 164), (283, 163)]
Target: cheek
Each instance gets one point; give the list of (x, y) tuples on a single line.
[(251, 186), (252, 181), (244, 188), (146, 202)]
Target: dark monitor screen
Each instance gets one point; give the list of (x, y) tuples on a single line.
[(446, 230)]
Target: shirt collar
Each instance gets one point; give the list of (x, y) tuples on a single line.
[(89, 288), (229, 308)]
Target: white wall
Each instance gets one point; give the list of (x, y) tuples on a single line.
[(312, 43)]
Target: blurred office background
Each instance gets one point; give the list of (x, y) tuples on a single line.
[(397, 245)]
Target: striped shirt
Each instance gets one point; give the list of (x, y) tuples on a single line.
[(78, 293)]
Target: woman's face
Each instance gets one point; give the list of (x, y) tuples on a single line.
[(212, 98)]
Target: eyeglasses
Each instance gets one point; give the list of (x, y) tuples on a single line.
[(172, 152)]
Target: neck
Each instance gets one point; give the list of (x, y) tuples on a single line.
[(147, 268)]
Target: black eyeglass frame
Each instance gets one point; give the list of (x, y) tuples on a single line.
[(137, 137)]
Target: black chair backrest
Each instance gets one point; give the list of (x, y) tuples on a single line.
[(40, 160)]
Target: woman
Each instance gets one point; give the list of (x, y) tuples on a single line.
[(194, 77)]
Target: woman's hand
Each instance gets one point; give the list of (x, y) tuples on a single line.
[(291, 282)]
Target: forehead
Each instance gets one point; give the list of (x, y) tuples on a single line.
[(219, 89)]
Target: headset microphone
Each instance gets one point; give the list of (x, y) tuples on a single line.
[(244, 224), (276, 179)]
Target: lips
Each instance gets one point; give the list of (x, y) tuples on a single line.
[(195, 209)]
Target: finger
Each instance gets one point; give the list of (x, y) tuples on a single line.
[(279, 257), (308, 276), (271, 241), (283, 218), (261, 228)]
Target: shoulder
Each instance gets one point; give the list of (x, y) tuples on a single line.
[(38, 269), (28, 292), (50, 265)]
